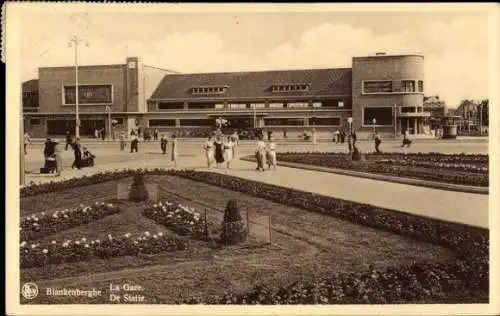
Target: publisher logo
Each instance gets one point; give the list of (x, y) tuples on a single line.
[(29, 291)]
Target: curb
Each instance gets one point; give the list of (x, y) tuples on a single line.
[(372, 176)]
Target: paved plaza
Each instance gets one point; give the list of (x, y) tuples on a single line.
[(465, 208)]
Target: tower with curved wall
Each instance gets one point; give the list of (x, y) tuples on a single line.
[(388, 94)]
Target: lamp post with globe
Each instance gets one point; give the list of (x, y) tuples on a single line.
[(374, 121), (349, 136)]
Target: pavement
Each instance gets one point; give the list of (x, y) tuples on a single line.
[(466, 208)]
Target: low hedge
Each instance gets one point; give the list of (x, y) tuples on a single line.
[(470, 269)]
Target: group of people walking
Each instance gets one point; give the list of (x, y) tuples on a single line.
[(265, 153), (220, 149), (52, 153)]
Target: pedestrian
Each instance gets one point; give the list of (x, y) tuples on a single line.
[(284, 134), (260, 154), (122, 141), (134, 143), (77, 149), (174, 150), (228, 151), (336, 136), (27, 140), (208, 147), (103, 134), (271, 155), (378, 141), (50, 165), (342, 136), (155, 134), (354, 138), (69, 140), (235, 140), (406, 139), (163, 144), (58, 156), (219, 151), (96, 133), (269, 135)]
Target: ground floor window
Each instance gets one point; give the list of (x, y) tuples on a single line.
[(275, 121), (170, 105), (382, 115), (60, 126), (325, 121), (161, 122), (197, 122)]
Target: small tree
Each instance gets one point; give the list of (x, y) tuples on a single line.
[(233, 228), (138, 191)]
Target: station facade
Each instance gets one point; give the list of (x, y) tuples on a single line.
[(382, 92)]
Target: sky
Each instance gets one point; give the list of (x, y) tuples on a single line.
[(454, 44)]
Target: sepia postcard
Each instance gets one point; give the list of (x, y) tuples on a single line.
[(251, 159)]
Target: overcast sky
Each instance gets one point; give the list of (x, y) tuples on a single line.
[(455, 44)]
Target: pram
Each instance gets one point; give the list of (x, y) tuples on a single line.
[(87, 158), (50, 165)]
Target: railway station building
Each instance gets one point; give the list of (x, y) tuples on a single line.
[(382, 92)]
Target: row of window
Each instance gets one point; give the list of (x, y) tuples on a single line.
[(323, 121), (242, 106), (387, 86), (207, 90), (291, 88)]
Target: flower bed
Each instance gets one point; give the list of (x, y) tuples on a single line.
[(44, 224), (440, 168), (35, 255), (180, 219), (470, 270)]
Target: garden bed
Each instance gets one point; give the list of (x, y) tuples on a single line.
[(468, 170), (319, 259)]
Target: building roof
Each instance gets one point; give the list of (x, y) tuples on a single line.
[(256, 84), (30, 85)]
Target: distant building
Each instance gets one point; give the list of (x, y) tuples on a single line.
[(382, 91), (436, 108)]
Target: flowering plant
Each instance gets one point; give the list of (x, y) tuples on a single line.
[(47, 223), (36, 255), (181, 219)]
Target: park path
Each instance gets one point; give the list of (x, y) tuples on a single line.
[(466, 208)]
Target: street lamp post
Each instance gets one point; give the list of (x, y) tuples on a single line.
[(480, 118), (73, 42), (374, 121), (349, 139), (108, 110)]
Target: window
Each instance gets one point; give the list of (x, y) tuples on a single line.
[(341, 104), (408, 85), (219, 106), (170, 105), (317, 104), (290, 88), (407, 109), (237, 106), (275, 105), (420, 86), (257, 105), (383, 115), (325, 121), (161, 122), (34, 121), (88, 94), (284, 121), (296, 105), (377, 86), (197, 122), (208, 90), (199, 105)]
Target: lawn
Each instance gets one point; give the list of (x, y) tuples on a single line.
[(304, 245)]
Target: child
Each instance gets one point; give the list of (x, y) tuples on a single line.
[(271, 154), (163, 144)]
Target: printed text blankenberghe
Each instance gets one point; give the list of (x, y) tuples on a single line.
[(72, 292)]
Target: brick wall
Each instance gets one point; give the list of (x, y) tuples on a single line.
[(52, 80)]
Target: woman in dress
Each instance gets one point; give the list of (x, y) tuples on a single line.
[(77, 149), (271, 154), (58, 156), (174, 150), (228, 151), (209, 151), (260, 153), (219, 151)]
